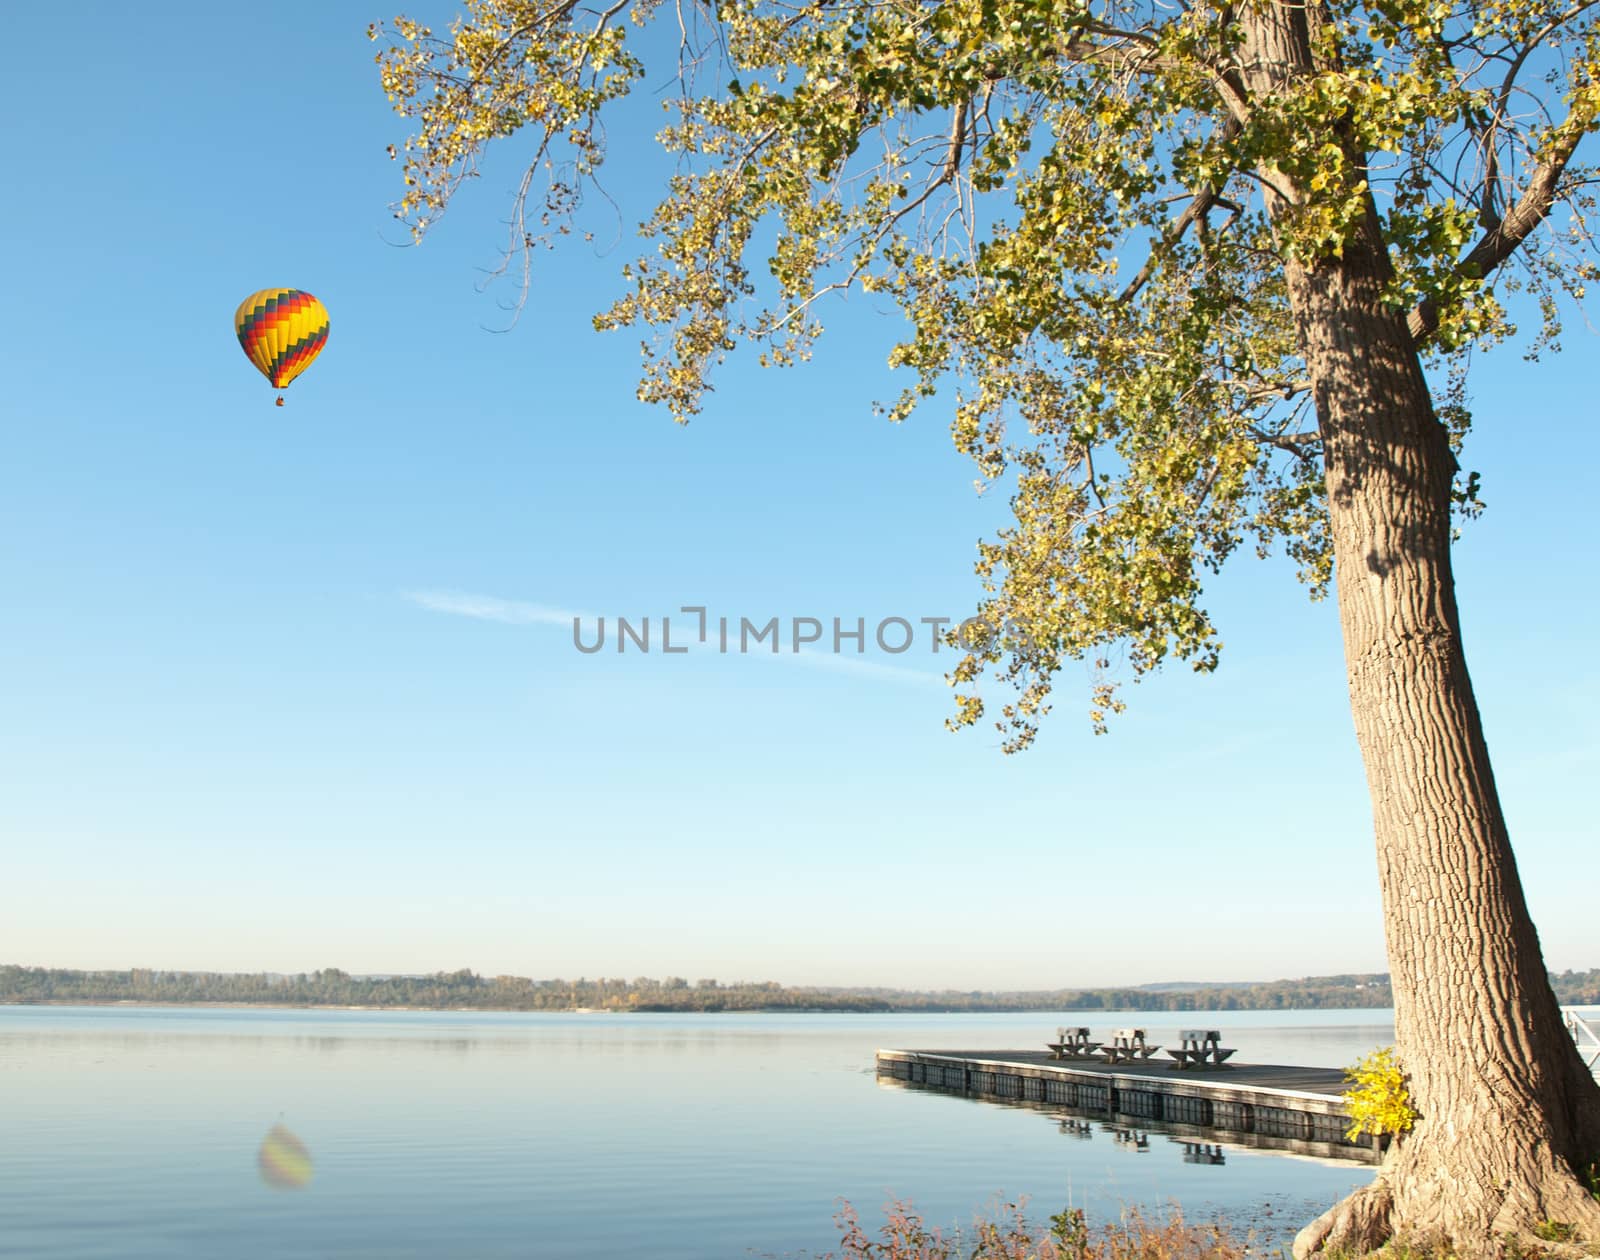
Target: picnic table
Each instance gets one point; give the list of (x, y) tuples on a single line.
[(1199, 1047), (1127, 1045), (1071, 1043)]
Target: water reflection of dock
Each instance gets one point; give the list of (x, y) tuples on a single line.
[(1138, 1139), (1203, 1153), (1295, 1109)]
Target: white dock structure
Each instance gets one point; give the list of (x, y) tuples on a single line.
[(1585, 1030), (1299, 1109)]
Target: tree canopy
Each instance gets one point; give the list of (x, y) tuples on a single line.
[(1070, 203)]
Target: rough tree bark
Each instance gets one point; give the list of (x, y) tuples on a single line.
[(1509, 1117), (1508, 1113)]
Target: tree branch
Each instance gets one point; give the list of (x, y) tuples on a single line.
[(1297, 444), (1202, 200), (1076, 48), (1502, 240)]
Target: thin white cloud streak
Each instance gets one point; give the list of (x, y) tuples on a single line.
[(855, 665), (509, 612), (513, 612)]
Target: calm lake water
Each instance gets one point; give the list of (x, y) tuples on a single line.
[(135, 1132)]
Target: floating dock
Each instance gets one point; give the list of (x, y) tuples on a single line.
[(1298, 1109)]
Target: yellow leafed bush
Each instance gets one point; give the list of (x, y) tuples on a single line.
[(1378, 1098)]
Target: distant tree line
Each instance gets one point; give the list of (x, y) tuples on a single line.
[(467, 990)]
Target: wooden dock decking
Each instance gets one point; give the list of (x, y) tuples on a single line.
[(1299, 1109)]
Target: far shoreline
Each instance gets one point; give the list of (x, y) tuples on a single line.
[(463, 990), (597, 1010)]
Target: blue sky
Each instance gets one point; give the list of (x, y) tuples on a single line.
[(242, 729)]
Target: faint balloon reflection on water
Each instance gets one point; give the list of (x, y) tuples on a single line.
[(284, 1161)]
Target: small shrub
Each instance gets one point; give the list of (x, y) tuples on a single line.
[(1555, 1231), (1069, 1231), (1512, 1248), (1379, 1101), (905, 1237)]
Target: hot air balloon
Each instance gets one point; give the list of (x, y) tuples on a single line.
[(281, 331)]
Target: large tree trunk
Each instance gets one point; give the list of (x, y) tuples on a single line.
[(1509, 1117), (1508, 1112)]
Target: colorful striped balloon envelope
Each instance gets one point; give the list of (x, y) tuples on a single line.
[(281, 332)]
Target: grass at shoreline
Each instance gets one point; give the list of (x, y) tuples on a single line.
[(1007, 1234)]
